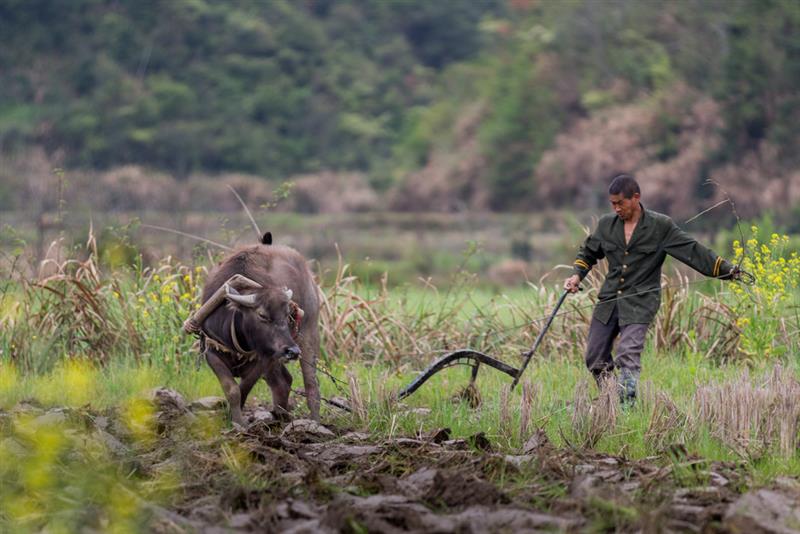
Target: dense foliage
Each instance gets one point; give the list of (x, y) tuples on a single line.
[(284, 87), (271, 87), (552, 65)]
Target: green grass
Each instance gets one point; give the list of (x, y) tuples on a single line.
[(96, 340), (555, 382), (385, 339), (100, 342)]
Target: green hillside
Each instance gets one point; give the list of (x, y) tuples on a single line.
[(271, 87), (401, 89)]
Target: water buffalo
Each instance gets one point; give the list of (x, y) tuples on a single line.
[(260, 328)]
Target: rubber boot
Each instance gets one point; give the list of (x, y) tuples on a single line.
[(628, 382)]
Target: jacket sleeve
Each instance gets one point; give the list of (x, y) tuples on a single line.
[(686, 249), (590, 252)]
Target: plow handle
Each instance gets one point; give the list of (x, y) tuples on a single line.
[(529, 354)]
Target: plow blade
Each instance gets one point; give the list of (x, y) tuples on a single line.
[(460, 357)]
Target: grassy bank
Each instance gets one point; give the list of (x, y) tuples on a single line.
[(720, 379), (112, 337), (550, 397)]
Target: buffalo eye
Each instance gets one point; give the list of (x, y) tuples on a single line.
[(263, 316)]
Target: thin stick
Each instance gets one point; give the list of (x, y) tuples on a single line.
[(163, 229), (247, 211), (720, 203)]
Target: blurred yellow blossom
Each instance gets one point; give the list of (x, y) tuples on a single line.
[(777, 276), (139, 417)]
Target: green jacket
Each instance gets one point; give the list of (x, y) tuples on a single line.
[(633, 281)]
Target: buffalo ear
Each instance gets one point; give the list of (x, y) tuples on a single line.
[(266, 239)]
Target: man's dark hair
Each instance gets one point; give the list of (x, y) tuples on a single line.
[(624, 184)]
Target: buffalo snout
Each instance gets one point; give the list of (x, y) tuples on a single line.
[(292, 352)]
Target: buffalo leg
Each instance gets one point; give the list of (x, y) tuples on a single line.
[(309, 345), (229, 385), (249, 380), (280, 383)]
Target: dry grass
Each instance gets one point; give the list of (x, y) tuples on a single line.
[(79, 309), (357, 401), (67, 305), (387, 330), (753, 417), (594, 418), (526, 407), (504, 424), (667, 425), (73, 309), (711, 322)]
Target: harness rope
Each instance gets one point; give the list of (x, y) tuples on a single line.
[(296, 315), (295, 319)]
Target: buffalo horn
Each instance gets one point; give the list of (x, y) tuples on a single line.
[(288, 293), (195, 321), (238, 298)]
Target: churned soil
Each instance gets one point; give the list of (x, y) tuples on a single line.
[(303, 476)]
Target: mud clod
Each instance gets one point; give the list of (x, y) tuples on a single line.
[(307, 431), (208, 403), (765, 511), (480, 442), (453, 489), (538, 441), (168, 400), (304, 476)]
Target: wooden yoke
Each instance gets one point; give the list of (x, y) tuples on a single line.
[(236, 282)]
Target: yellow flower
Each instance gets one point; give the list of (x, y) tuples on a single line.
[(139, 417)]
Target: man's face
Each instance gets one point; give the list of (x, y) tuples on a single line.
[(625, 208)]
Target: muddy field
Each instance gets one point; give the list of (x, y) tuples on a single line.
[(305, 477)]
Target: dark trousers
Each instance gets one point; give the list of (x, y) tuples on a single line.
[(601, 341)]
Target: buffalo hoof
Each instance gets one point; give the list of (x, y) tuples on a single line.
[(282, 415)]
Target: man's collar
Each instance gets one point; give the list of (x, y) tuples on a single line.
[(644, 218)]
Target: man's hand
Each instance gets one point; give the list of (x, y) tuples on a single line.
[(572, 283), (735, 274)]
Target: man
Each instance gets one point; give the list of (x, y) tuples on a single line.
[(635, 241)]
